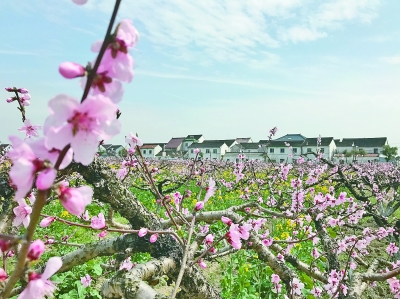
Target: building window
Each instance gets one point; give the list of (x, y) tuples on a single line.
[(282, 150), (376, 151), (271, 150), (214, 151), (186, 144), (144, 152), (191, 151), (309, 150), (282, 160), (207, 151), (295, 150), (322, 150), (149, 151)]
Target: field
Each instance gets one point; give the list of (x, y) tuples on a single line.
[(314, 230)]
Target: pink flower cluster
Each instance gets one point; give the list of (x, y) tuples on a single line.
[(236, 232)]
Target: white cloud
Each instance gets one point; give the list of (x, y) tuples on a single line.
[(229, 31), (301, 34), (391, 59)]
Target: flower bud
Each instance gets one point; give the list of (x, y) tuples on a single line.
[(22, 90), (4, 245), (199, 206), (102, 234), (9, 89), (153, 238), (47, 221), (142, 232), (35, 250), (3, 275), (71, 70), (11, 99)]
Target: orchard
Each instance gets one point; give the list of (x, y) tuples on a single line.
[(77, 225)]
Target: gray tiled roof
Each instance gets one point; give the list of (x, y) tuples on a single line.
[(362, 142), (229, 142), (252, 145), (208, 144), (291, 138), (196, 137), (278, 143), (243, 140), (325, 141), (174, 143)]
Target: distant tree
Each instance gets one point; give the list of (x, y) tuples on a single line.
[(362, 152), (389, 152), (123, 153)]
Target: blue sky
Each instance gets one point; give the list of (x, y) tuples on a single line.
[(223, 68)]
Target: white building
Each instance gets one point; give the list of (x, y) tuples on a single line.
[(199, 138), (360, 150), (209, 149), (150, 150)]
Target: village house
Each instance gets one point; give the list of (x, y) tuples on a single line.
[(209, 149), (251, 150), (151, 150), (360, 150), (191, 139)]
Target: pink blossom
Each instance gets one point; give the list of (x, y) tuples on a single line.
[(24, 166), (202, 264), (35, 250), (3, 275), (71, 70), (116, 60), (82, 125), (31, 197), (142, 232), (204, 229), (153, 238), (22, 90), (86, 216), (4, 245), (102, 234), (316, 291), (268, 242), (126, 264), (75, 200), (275, 278), (25, 99), (233, 236), (22, 213), (210, 190), (46, 178), (104, 84), (209, 239), (244, 231), (29, 129), (133, 140), (196, 151), (47, 221), (392, 249), (226, 220), (199, 206), (98, 222), (315, 253), (297, 286), (39, 285), (86, 280), (52, 155)]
